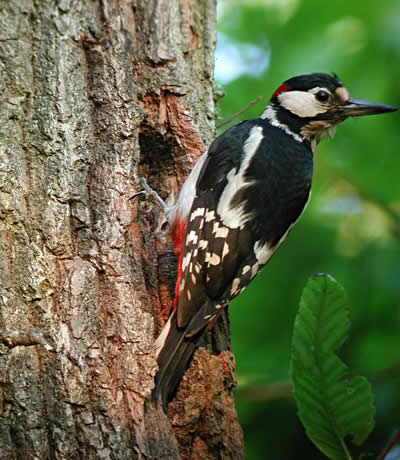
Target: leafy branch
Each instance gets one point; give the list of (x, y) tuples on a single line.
[(333, 404)]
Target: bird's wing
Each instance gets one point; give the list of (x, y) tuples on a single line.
[(213, 252)]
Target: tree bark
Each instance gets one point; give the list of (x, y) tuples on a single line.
[(93, 95)]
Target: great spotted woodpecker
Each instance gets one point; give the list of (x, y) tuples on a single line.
[(239, 203)]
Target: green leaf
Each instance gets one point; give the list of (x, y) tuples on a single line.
[(332, 403)]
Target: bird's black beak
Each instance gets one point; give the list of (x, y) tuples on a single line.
[(356, 108)]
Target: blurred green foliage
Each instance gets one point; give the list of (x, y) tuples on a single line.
[(351, 228)]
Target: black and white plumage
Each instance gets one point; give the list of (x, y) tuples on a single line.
[(238, 204)]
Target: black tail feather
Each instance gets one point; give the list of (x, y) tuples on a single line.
[(174, 356)]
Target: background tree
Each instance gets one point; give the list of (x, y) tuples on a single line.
[(94, 94), (350, 228)]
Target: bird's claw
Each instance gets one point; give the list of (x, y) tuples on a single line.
[(151, 195)]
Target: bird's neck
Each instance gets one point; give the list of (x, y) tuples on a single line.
[(278, 117), (305, 130)]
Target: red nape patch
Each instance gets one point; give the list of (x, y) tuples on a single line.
[(284, 87), (178, 235)]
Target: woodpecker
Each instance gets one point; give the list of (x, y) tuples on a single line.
[(238, 204)]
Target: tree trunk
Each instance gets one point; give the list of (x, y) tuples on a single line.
[(94, 94)]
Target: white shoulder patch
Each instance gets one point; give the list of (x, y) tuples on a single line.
[(235, 217)]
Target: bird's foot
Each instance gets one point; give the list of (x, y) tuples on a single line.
[(151, 195)]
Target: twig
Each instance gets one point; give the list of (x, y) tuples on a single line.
[(264, 392), (13, 338), (395, 439), (386, 374), (235, 115)]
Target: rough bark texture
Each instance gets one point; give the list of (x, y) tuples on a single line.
[(93, 94)]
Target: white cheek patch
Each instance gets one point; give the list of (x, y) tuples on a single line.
[(301, 103)]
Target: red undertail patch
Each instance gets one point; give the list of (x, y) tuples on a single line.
[(178, 235)]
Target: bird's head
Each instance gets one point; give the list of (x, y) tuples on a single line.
[(311, 106)]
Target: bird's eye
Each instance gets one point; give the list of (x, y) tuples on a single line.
[(322, 96)]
